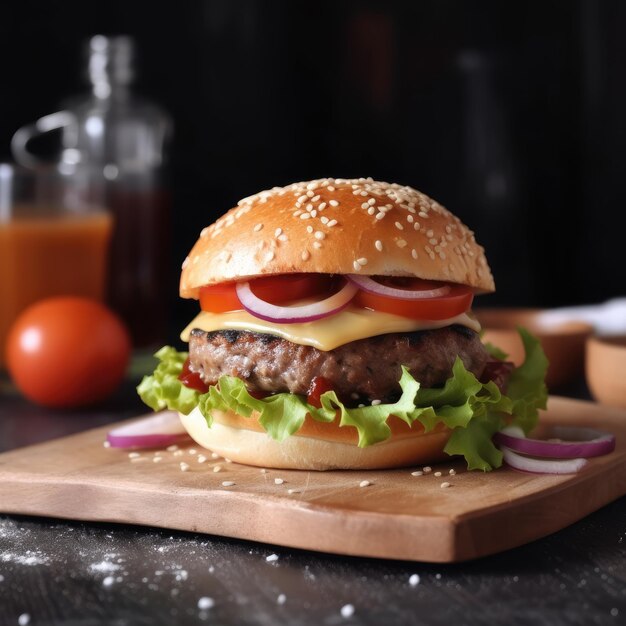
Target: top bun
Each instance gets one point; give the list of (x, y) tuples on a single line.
[(337, 226)]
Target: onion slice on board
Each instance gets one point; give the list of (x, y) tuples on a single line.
[(572, 442), (294, 314), (366, 283), (541, 466), (155, 431)]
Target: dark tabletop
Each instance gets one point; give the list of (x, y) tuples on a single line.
[(60, 572)]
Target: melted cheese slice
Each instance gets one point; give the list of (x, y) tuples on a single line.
[(328, 333)]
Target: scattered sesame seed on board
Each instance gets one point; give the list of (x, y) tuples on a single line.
[(437, 474), (228, 483), (445, 485), (417, 473), (217, 468), (278, 481), (365, 483), (452, 472), (184, 467)]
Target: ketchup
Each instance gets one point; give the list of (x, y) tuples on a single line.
[(319, 385), (192, 379)]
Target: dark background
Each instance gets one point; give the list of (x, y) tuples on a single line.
[(509, 113)]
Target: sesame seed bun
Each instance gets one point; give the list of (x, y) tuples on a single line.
[(316, 446), (337, 226)]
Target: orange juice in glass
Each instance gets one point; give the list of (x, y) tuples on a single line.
[(48, 245)]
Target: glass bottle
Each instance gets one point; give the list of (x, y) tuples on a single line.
[(116, 143)]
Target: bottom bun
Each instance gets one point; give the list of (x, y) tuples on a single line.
[(253, 446)]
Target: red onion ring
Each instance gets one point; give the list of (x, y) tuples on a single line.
[(541, 466), (367, 283), (580, 442), (156, 431), (294, 314)]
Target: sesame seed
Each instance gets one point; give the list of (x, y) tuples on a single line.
[(106, 444), (215, 455), (283, 237), (364, 194), (315, 198), (291, 491), (365, 483), (376, 402), (445, 485), (414, 580), (416, 226), (322, 206), (305, 216), (317, 245), (228, 483), (258, 227), (379, 245), (401, 243), (133, 455), (281, 599), (305, 255), (302, 198), (309, 229), (172, 448), (410, 219), (201, 458), (333, 202), (278, 481), (263, 471), (278, 232), (217, 468), (417, 473), (320, 235), (399, 226), (427, 469), (362, 261), (437, 474), (365, 205), (271, 558), (297, 213), (270, 255), (157, 459), (324, 219), (310, 194), (313, 213), (356, 266), (332, 223), (423, 214), (184, 467), (347, 611), (414, 253), (192, 451), (309, 207), (379, 216), (330, 188), (372, 201), (452, 472)]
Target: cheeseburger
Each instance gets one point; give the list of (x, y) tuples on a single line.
[(336, 332)]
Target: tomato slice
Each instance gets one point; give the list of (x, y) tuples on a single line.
[(272, 289), (456, 301)]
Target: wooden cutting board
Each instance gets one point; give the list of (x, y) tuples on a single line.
[(398, 516)]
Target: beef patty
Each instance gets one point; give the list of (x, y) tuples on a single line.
[(359, 371)]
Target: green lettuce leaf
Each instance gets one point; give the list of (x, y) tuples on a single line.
[(473, 410)]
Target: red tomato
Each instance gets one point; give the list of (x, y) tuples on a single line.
[(274, 289), (67, 352), (456, 301)]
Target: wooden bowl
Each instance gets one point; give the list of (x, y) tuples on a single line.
[(605, 369), (563, 342)]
